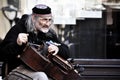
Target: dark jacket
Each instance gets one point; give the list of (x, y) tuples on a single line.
[(10, 49)]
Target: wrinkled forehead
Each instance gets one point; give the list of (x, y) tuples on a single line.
[(44, 15)]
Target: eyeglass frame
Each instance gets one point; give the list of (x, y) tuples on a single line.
[(45, 20)]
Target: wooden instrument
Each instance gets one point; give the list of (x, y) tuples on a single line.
[(53, 65)]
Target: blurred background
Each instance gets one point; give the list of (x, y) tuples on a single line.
[(89, 27)]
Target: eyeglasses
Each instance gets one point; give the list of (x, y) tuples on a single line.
[(46, 20)]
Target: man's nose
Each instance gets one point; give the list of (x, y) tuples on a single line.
[(48, 23)]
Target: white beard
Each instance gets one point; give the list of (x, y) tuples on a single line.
[(44, 30)]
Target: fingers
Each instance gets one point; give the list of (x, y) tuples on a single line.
[(22, 38), (53, 49)]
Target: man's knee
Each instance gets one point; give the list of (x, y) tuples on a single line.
[(39, 76)]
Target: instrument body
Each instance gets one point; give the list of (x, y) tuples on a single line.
[(53, 65)]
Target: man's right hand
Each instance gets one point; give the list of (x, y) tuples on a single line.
[(22, 38)]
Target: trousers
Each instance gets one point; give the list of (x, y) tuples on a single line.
[(24, 73)]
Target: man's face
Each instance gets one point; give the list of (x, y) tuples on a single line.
[(43, 23)]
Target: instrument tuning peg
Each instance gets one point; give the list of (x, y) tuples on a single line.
[(71, 60), (79, 68)]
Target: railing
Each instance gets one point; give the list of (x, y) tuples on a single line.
[(98, 69)]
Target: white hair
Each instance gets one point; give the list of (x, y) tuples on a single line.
[(30, 24)]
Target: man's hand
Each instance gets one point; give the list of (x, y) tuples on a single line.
[(22, 38), (53, 49)]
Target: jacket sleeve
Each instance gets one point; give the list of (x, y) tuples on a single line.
[(9, 46), (64, 51)]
